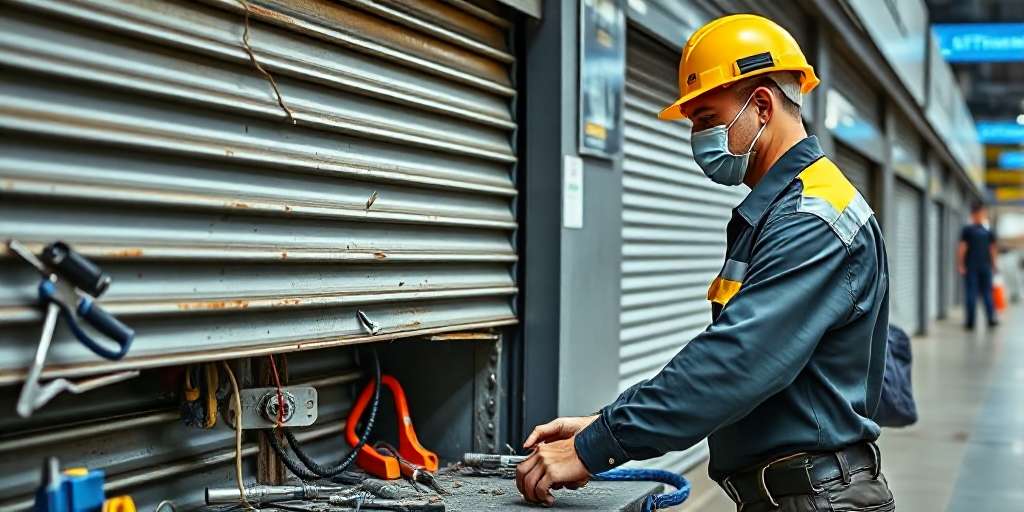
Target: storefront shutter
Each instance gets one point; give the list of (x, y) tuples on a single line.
[(673, 230), (364, 165)]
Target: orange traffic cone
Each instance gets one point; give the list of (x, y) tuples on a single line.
[(999, 293)]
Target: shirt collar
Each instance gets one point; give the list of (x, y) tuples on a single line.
[(778, 177)]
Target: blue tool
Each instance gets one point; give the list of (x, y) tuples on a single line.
[(73, 490), (68, 289)]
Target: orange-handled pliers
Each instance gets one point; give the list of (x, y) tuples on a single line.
[(409, 448)]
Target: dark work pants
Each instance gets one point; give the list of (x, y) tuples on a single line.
[(863, 494), (978, 282)]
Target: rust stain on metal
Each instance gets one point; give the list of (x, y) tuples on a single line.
[(263, 11), (372, 199), (131, 252), (238, 204), (287, 209), (461, 336), (284, 255), (380, 255), (213, 304), (369, 27)]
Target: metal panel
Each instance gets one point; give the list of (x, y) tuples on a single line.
[(935, 239), (237, 223), (141, 133), (787, 14), (858, 170), (673, 228), (955, 223), (905, 259)]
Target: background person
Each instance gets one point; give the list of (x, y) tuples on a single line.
[(976, 261)]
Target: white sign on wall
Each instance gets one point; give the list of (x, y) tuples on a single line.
[(572, 192)]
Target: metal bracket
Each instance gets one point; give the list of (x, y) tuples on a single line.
[(487, 396), (260, 406)]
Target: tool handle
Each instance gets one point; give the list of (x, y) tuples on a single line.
[(105, 323)]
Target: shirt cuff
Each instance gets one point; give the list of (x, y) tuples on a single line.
[(597, 447)]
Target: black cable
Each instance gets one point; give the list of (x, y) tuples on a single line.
[(293, 465), (314, 470)]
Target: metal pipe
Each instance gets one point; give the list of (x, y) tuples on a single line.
[(491, 461), (271, 493)]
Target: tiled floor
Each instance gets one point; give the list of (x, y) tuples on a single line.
[(966, 454)]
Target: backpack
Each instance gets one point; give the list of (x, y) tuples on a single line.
[(896, 407)]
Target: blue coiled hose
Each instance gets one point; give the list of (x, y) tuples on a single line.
[(656, 501)]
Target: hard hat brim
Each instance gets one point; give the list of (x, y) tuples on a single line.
[(674, 112)]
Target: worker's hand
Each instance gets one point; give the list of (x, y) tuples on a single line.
[(561, 428), (552, 466)]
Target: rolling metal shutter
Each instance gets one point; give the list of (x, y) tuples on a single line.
[(934, 258), (787, 14), (905, 258), (858, 170), (143, 134), (673, 229), (957, 219)]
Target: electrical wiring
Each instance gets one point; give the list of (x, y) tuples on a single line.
[(280, 392), (310, 469), (238, 434)]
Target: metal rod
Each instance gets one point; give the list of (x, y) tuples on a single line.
[(30, 391), (17, 248)]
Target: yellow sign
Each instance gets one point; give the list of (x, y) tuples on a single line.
[(1006, 195), (999, 177)]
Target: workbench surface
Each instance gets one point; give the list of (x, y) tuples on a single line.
[(471, 494)]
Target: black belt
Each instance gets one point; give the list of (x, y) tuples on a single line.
[(802, 473)]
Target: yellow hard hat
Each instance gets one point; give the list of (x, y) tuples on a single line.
[(732, 48)]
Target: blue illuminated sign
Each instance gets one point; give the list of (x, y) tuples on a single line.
[(981, 42), (1011, 160), (1000, 132)]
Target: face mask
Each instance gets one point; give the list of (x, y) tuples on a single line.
[(711, 150)]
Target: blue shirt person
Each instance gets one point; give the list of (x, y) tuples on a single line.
[(976, 259)]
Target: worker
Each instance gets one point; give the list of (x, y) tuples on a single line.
[(784, 381), (977, 261)]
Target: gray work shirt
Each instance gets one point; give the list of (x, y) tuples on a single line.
[(793, 359)]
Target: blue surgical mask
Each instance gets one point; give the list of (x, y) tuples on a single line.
[(711, 151)]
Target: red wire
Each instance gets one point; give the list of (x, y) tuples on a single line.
[(280, 392)]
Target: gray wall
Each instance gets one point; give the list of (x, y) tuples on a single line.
[(591, 277), (571, 276)]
